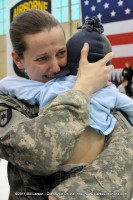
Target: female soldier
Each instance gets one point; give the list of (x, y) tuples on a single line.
[(41, 53)]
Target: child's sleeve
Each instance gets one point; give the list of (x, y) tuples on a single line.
[(22, 89), (35, 92), (125, 104)]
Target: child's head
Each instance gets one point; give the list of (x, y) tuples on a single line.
[(92, 33)]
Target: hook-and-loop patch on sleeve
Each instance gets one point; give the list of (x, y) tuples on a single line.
[(5, 116)]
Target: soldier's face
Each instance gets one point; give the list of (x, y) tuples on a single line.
[(127, 65), (45, 56)]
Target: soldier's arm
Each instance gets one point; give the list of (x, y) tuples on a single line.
[(41, 144), (110, 174)]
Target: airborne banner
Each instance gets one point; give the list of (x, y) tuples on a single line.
[(29, 5)]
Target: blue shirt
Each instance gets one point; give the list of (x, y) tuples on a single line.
[(101, 102)]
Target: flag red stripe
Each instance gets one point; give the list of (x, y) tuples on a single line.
[(119, 39), (120, 62)]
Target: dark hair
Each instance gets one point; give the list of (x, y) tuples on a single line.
[(29, 22)]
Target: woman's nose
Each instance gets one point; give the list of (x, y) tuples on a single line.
[(55, 67)]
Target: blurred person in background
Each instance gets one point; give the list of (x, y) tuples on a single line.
[(122, 86), (127, 73)]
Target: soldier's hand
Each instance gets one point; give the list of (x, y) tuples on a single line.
[(92, 76), (52, 198)]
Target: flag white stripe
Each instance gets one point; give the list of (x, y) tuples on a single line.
[(121, 50), (118, 27)]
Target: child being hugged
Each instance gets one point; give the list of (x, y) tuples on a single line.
[(102, 102)]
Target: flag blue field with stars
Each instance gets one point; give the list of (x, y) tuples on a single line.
[(117, 18)]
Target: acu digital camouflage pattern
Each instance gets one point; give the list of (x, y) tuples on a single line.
[(110, 176), (41, 144)]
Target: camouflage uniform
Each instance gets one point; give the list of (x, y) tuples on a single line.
[(110, 176), (35, 145)]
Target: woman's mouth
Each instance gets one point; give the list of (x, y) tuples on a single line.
[(49, 76)]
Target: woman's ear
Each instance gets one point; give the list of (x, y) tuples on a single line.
[(17, 60)]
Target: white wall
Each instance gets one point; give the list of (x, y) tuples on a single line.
[(10, 70), (4, 186)]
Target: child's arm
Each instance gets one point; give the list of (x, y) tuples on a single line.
[(35, 92), (125, 104), (22, 89)]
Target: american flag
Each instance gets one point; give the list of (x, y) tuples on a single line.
[(117, 18)]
